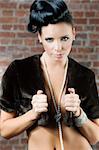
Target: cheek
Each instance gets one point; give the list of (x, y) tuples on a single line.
[(47, 48), (68, 47)]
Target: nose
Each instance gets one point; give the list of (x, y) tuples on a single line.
[(57, 46)]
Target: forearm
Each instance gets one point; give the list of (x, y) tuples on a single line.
[(15, 126), (88, 128)]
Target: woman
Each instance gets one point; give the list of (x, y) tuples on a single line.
[(50, 95)]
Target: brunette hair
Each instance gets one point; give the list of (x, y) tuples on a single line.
[(44, 12)]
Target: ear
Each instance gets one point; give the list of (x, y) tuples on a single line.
[(74, 33), (39, 37)]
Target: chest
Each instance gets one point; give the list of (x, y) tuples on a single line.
[(55, 81)]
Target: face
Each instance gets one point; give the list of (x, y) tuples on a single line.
[(57, 40)]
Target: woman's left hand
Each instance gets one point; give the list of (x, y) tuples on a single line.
[(72, 102)]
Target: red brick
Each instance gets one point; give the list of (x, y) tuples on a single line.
[(94, 21), (19, 27), (94, 36), (5, 41), (90, 14), (23, 34), (24, 6), (97, 50), (74, 50), (75, 6), (85, 1), (94, 43), (82, 35), (21, 13), (96, 64), (77, 42), (85, 50), (4, 62), (79, 28), (97, 28), (7, 12), (95, 1), (24, 141), (93, 57), (81, 21), (72, 1), (97, 14), (2, 48), (22, 20), (6, 148), (14, 141), (78, 14), (7, 27), (17, 42), (37, 49), (96, 71), (29, 42), (89, 28), (94, 6), (80, 56), (5, 5), (7, 34), (8, 20), (20, 147)]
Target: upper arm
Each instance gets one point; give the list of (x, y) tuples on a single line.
[(5, 116)]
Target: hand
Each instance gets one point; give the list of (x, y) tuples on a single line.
[(72, 102), (39, 103)]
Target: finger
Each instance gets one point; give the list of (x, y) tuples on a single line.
[(42, 105), (73, 109), (40, 110), (76, 98), (71, 104), (71, 90), (39, 92), (39, 98)]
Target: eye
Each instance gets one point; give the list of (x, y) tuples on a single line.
[(49, 39), (64, 38)]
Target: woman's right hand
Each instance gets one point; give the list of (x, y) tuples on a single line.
[(12, 125), (39, 103)]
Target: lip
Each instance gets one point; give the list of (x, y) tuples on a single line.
[(59, 55)]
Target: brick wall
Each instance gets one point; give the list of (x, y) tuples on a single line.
[(16, 42)]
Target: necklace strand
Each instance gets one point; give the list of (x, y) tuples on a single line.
[(57, 108)]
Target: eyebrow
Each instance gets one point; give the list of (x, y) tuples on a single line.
[(50, 37), (65, 36)]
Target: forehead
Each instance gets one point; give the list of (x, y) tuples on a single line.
[(58, 29)]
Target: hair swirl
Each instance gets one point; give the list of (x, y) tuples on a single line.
[(44, 12)]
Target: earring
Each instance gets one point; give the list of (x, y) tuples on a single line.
[(73, 42)]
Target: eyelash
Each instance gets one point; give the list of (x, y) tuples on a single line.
[(49, 39), (62, 39)]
